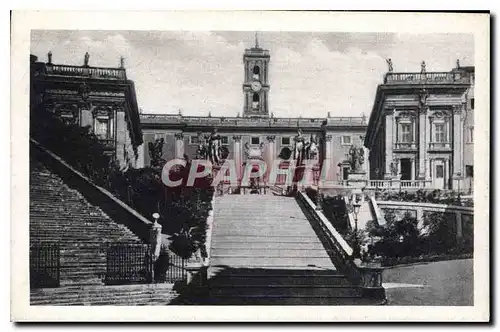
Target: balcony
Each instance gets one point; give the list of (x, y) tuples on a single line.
[(440, 146), (406, 146), (87, 72), (427, 78)]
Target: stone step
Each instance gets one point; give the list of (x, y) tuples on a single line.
[(280, 300), (272, 280), (252, 261), (262, 238), (306, 291), (236, 245), (258, 252)]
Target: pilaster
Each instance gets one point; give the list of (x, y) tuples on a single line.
[(237, 154), (457, 140), (389, 138), (423, 135)]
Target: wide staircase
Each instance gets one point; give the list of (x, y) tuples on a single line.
[(62, 216), (265, 251)]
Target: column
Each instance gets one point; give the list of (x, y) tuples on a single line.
[(179, 145), (140, 156), (121, 133), (422, 141), (447, 177), (457, 140), (271, 152), (413, 168), (389, 134), (237, 154)]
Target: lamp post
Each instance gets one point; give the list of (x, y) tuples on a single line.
[(356, 205)]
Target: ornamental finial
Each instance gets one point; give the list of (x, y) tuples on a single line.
[(256, 40)]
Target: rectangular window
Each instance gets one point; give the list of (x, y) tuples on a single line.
[(285, 140), (224, 140), (470, 135), (194, 140), (469, 171), (406, 133), (439, 171), (101, 128), (440, 133), (255, 140), (345, 140)]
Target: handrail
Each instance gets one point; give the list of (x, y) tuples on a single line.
[(378, 214), (369, 278)]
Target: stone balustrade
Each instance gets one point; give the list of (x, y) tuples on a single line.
[(367, 276), (88, 72), (426, 78), (222, 122)]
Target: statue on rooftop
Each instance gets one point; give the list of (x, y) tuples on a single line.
[(86, 59), (389, 63), (49, 56), (458, 63), (122, 62), (423, 67), (312, 150)]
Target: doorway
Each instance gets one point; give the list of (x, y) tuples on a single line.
[(439, 174), (406, 169)]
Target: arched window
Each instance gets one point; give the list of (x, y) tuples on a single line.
[(256, 72), (255, 100)]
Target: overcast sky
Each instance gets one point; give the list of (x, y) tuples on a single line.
[(310, 73)]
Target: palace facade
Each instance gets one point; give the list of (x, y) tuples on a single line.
[(101, 98), (257, 129), (421, 129)]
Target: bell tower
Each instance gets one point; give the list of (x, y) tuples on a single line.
[(256, 83)]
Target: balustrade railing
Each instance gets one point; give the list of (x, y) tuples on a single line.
[(405, 146), (439, 146), (395, 184), (369, 278), (89, 72), (426, 78)]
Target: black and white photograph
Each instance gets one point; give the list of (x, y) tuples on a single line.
[(256, 167)]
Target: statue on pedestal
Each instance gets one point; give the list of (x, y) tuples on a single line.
[(423, 67), (389, 63), (312, 150), (300, 141), (49, 56), (156, 152), (357, 156)]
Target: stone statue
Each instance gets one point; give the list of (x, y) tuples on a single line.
[(214, 145), (122, 62), (49, 56), (423, 97), (422, 67), (458, 63), (389, 63), (86, 59), (357, 156), (300, 142), (202, 150), (312, 148), (247, 150), (394, 168), (156, 152)]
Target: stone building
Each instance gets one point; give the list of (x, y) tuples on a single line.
[(421, 128), (257, 129), (101, 98)]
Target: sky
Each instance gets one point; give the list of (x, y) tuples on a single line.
[(310, 74)]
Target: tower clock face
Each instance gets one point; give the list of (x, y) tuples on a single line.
[(256, 86)]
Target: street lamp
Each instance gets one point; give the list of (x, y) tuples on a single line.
[(356, 205)]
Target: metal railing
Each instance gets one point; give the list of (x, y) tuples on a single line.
[(426, 78), (133, 264), (45, 265), (88, 72)]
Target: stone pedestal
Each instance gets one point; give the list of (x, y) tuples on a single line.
[(357, 179)]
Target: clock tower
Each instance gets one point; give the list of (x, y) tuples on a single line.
[(256, 84)]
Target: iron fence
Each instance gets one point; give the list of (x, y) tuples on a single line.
[(133, 264), (128, 264), (44, 265)]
